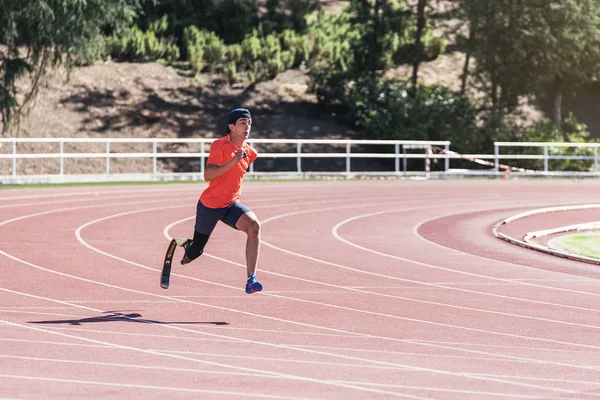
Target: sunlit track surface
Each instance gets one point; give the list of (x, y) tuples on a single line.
[(375, 289)]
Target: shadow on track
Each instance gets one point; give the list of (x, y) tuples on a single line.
[(119, 317)]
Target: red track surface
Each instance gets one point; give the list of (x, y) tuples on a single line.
[(386, 289)]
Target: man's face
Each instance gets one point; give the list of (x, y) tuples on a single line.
[(241, 129)]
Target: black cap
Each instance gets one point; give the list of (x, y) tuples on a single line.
[(235, 115)]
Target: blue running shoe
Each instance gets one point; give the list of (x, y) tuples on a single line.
[(252, 285)]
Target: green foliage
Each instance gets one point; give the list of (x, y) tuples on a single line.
[(37, 35), (570, 131), (230, 71), (231, 20), (386, 111), (523, 46), (234, 19), (203, 48), (334, 38), (234, 53), (403, 46), (291, 15), (381, 24), (139, 45), (365, 41), (264, 56)]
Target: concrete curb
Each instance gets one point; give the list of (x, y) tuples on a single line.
[(527, 240)]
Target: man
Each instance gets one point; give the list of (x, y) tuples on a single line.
[(229, 159)]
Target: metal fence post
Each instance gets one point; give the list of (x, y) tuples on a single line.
[(545, 158), (154, 160), (404, 161), (299, 157), (596, 159), (348, 157), (251, 165), (497, 157), (62, 158), (202, 145), (14, 158), (447, 158), (397, 159), (108, 157)]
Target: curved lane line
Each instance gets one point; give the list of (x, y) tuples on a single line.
[(534, 246), (349, 309), (75, 277), (416, 233), (513, 282), (171, 355)]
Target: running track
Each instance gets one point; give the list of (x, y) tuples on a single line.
[(373, 289)]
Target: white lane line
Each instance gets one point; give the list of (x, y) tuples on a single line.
[(409, 341), (284, 360), (457, 391), (239, 340), (339, 237), (48, 342), (498, 346), (122, 288), (350, 288), (94, 193), (234, 367), (78, 234), (167, 236), (568, 278), (279, 361), (510, 281), (412, 368), (153, 387), (543, 379), (92, 199), (42, 213), (287, 333), (354, 289), (412, 353), (138, 366)]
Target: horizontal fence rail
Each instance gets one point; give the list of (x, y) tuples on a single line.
[(41, 160), (108, 150), (546, 155)]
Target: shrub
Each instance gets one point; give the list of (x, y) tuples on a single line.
[(387, 111), (230, 71), (203, 48), (136, 44), (570, 131)]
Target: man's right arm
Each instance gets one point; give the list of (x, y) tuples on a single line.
[(213, 171)]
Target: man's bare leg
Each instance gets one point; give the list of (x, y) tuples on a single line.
[(249, 223)]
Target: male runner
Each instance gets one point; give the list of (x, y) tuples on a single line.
[(229, 159)]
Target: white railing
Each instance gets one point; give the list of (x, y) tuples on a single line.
[(15, 153), (545, 146), (398, 150)]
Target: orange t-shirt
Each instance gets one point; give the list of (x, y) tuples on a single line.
[(227, 188)]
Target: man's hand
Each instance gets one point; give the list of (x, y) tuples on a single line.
[(214, 171), (239, 155)]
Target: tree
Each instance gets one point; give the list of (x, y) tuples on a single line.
[(38, 35), (493, 33), (381, 24), (418, 45), (524, 46), (562, 40)]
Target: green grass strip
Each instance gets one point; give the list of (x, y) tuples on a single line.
[(583, 244)]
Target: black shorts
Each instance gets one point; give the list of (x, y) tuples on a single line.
[(207, 218)]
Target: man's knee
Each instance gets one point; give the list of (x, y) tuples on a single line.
[(249, 224), (254, 228)]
